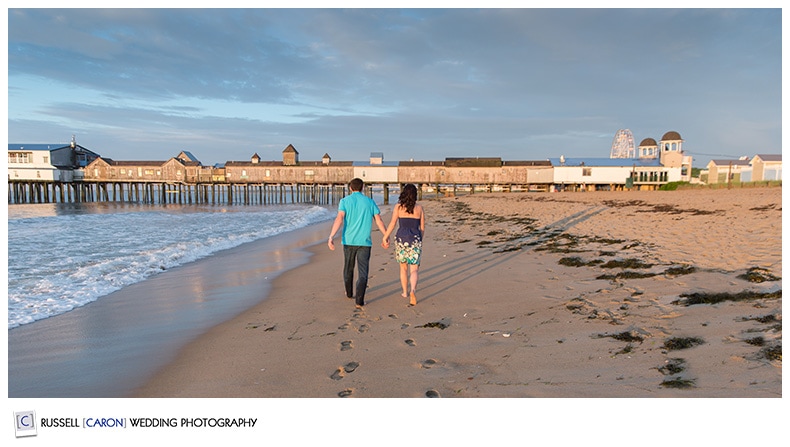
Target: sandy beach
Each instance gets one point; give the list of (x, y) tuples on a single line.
[(587, 295)]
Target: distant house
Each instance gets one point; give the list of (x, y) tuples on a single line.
[(723, 171), (766, 167), (47, 162)]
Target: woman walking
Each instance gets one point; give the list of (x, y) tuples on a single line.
[(408, 240)]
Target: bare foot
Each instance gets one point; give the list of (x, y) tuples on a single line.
[(403, 294), (412, 299)]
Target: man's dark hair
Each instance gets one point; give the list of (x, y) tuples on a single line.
[(356, 184)]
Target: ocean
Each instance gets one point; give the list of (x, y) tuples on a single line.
[(72, 335), (63, 256)]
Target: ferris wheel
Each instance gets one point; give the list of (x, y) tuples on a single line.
[(623, 144)]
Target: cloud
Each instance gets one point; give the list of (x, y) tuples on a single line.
[(528, 83)]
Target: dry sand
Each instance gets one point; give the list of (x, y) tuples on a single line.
[(524, 295)]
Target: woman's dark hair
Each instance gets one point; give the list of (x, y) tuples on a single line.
[(408, 197)]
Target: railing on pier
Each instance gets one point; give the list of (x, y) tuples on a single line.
[(23, 192), (223, 193)]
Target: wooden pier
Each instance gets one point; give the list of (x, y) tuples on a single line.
[(28, 191)]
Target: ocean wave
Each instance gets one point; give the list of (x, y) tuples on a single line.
[(62, 261)]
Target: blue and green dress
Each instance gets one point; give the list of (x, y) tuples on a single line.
[(408, 241)]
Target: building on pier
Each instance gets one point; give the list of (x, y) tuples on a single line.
[(48, 162)]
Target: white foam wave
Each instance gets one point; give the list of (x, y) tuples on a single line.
[(59, 262)]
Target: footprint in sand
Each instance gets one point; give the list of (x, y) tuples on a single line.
[(410, 342), (351, 367), (345, 393), (344, 326), (393, 316), (338, 374), (427, 364), (432, 393), (346, 345), (363, 328)]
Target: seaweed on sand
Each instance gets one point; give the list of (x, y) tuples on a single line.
[(678, 383), (680, 270), (626, 263), (772, 352), (573, 261), (627, 336), (673, 366), (756, 341), (676, 343), (691, 299), (436, 324), (626, 275), (757, 275)]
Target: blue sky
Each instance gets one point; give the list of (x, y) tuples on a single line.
[(422, 84)]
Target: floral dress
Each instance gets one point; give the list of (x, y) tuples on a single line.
[(408, 241)]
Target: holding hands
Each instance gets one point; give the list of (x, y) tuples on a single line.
[(385, 242)]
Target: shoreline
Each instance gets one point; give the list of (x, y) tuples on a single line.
[(484, 328), (109, 347)]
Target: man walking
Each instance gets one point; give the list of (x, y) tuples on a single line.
[(356, 213)]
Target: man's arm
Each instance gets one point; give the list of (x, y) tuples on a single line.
[(336, 226), (380, 224)]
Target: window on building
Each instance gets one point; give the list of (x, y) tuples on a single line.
[(20, 157), (586, 172), (46, 159)]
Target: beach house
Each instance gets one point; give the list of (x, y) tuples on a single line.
[(48, 162), (765, 167), (724, 171)]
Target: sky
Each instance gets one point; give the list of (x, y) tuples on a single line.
[(414, 84)]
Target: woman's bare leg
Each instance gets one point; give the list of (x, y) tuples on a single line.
[(413, 278), (404, 279)]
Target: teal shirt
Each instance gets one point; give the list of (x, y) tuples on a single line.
[(359, 211)]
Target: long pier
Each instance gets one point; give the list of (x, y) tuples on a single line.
[(222, 193), (28, 191)]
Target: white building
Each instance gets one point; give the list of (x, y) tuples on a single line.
[(47, 162), (377, 170), (591, 174)]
